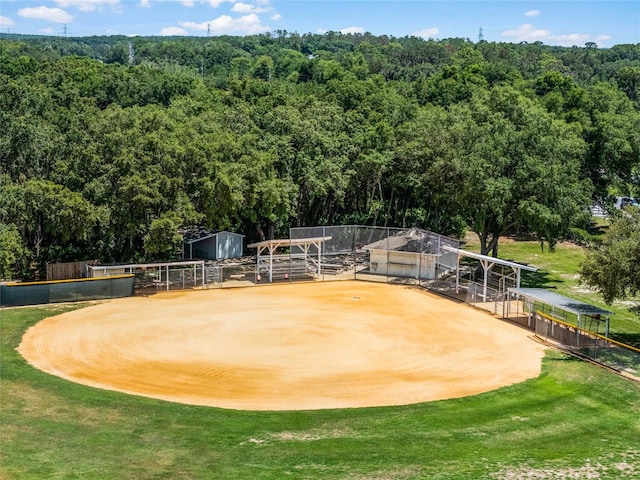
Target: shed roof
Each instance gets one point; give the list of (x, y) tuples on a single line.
[(560, 301), (199, 234)]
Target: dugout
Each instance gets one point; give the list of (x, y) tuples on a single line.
[(156, 276), (527, 301)]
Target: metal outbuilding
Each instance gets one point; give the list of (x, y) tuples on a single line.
[(211, 245)]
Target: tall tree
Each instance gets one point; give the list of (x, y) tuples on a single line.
[(613, 267), (12, 251), (521, 169)]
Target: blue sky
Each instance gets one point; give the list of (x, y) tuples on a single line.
[(566, 23)]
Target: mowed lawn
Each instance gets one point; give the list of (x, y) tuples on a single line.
[(574, 421)]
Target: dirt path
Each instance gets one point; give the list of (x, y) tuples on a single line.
[(286, 347)]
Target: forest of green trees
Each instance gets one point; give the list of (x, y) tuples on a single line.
[(111, 146)]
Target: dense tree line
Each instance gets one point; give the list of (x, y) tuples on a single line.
[(109, 146)]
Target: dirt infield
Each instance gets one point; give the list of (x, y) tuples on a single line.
[(286, 347)]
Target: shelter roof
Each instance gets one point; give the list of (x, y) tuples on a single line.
[(560, 301), (497, 261), (286, 242)]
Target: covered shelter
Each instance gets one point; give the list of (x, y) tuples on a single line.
[(300, 263), (212, 245), (560, 307), (488, 263)]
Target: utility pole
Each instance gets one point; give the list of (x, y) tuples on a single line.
[(480, 35), (132, 55), (208, 29)]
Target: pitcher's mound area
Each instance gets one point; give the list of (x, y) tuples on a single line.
[(286, 347)]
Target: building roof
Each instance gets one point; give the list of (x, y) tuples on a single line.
[(196, 235), (560, 301)]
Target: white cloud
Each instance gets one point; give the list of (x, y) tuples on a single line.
[(56, 15), (570, 40), (275, 16), (427, 32), (352, 30), (528, 33), (532, 13), (226, 25), (321, 31), (216, 3), (241, 7), (47, 31), (172, 31), (188, 3), (602, 39), (145, 3), (5, 22), (86, 5)]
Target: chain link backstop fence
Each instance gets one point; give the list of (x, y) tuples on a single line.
[(383, 254)]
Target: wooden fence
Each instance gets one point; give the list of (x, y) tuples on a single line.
[(68, 270)]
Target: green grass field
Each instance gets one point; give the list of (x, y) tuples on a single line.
[(574, 421)]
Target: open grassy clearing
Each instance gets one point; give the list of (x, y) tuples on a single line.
[(574, 421), (558, 271)]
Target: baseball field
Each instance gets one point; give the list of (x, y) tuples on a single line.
[(264, 383), (294, 347)]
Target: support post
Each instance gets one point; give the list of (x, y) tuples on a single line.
[(457, 273), (271, 263), (485, 268)]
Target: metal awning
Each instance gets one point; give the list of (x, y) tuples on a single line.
[(560, 301), (487, 258)]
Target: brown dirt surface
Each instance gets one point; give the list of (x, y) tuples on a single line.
[(286, 347)]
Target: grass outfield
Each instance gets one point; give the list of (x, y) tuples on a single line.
[(574, 421)]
